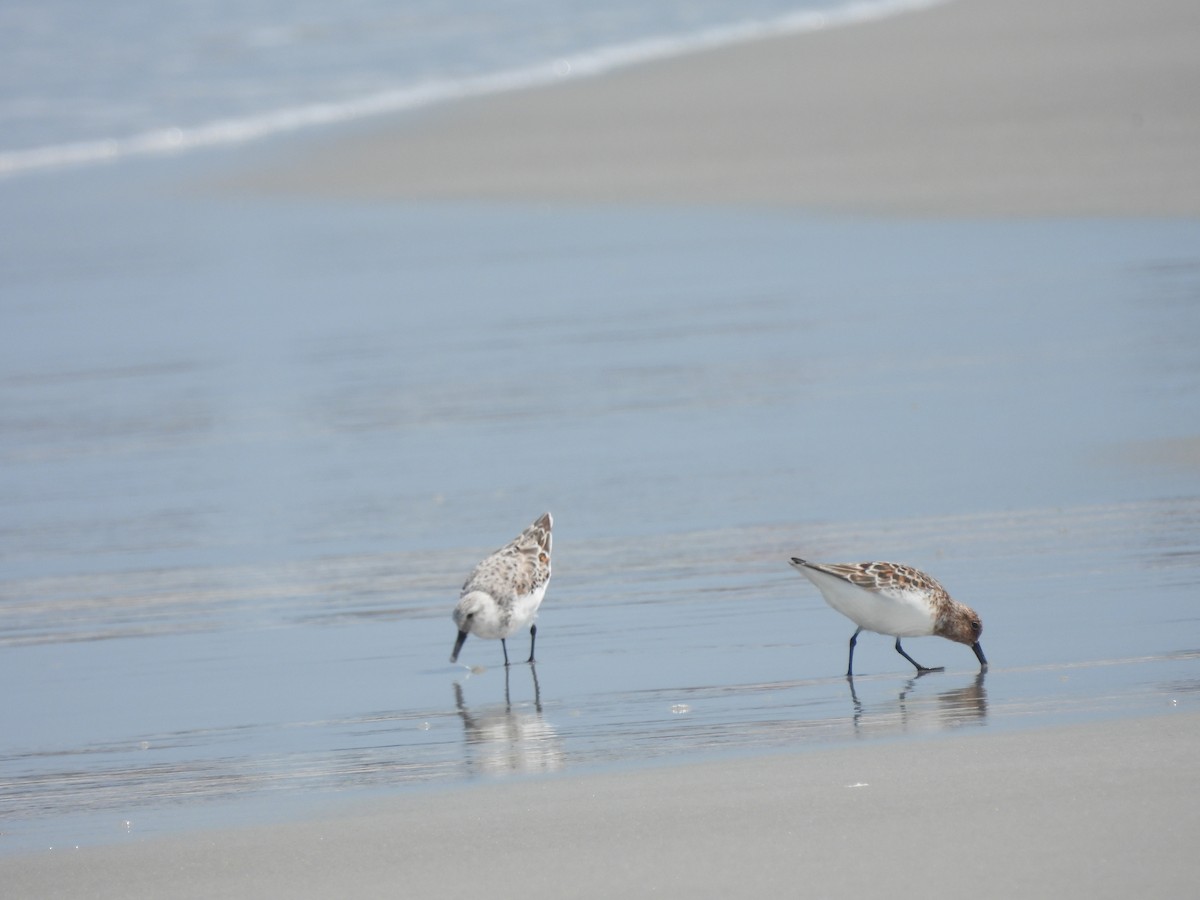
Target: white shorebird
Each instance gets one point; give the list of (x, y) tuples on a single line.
[(896, 600), (502, 594)]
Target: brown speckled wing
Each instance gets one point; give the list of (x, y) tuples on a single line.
[(519, 567), (881, 576)]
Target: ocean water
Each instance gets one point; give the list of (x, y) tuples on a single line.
[(250, 446), (88, 84)]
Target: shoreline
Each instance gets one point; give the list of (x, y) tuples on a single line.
[(971, 108), (194, 353), (1071, 810)]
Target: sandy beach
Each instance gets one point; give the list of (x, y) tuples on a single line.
[(1099, 810), (973, 108)]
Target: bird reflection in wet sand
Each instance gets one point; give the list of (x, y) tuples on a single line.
[(503, 740), (964, 705), (502, 594), (895, 600)]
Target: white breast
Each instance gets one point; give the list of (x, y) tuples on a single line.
[(524, 609), (901, 613), (494, 620)]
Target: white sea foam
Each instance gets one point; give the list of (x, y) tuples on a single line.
[(595, 62)]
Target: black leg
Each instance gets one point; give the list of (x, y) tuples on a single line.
[(504, 647), (850, 665), (921, 670), (532, 640)]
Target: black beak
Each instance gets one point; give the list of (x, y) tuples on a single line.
[(462, 636), (975, 646)]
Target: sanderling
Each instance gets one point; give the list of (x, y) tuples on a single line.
[(897, 600), (502, 594)]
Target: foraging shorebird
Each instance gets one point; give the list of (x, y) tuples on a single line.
[(502, 594), (896, 600)]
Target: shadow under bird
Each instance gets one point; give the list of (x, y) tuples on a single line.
[(502, 594), (896, 600)]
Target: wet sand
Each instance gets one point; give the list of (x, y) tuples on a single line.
[(1098, 810), (975, 108)]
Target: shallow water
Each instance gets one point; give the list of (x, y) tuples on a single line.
[(251, 447), (137, 78)]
